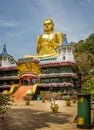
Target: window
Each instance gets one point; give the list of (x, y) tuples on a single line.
[(45, 70), (54, 80), (53, 70), (44, 80), (64, 51), (69, 51), (63, 57)]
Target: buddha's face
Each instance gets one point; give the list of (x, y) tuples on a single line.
[(48, 25)]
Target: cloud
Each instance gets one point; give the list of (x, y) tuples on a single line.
[(4, 23), (90, 1), (22, 21), (87, 2)]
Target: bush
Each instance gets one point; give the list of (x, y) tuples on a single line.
[(5, 102), (27, 98)]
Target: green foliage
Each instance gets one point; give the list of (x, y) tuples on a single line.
[(79, 46), (51, 96), (89, 44), (27, 98), (45, 95), (85, 45), (72, 44), (67, 98), (84, 56), (89, 85), (5, 102), (89, 88), (84, 53)]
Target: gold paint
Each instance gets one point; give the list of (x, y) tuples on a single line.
[(37, 56), (49, 40), (46, 44), (34, 88), (80, 121), (80, 99), (28, 67)]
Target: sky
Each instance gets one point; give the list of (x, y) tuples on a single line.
[(21, 21)]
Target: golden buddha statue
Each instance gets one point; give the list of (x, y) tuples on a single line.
[(47, 42)]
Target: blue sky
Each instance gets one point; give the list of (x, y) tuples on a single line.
[(21, 21)]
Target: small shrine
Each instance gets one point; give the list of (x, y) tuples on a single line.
[(28, 70)]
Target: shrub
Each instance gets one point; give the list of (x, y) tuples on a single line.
[(5, 102)]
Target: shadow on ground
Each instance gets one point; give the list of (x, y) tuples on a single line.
[(27, 119)]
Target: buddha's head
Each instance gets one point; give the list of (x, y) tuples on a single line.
[(48, 25)]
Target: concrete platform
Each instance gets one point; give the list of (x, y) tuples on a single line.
[(38, 116)]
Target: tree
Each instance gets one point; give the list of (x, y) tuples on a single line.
[(89, 87), (79, 46), (89, 44)]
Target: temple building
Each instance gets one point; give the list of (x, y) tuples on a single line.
[(60, 73), (54, 68), (8, 70)]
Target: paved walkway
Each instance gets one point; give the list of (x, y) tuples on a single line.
[(38, 116)]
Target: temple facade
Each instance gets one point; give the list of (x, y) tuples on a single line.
[(53, 69), (60, 73), (8, 70)]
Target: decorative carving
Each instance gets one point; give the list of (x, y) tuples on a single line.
[(28, 67)]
